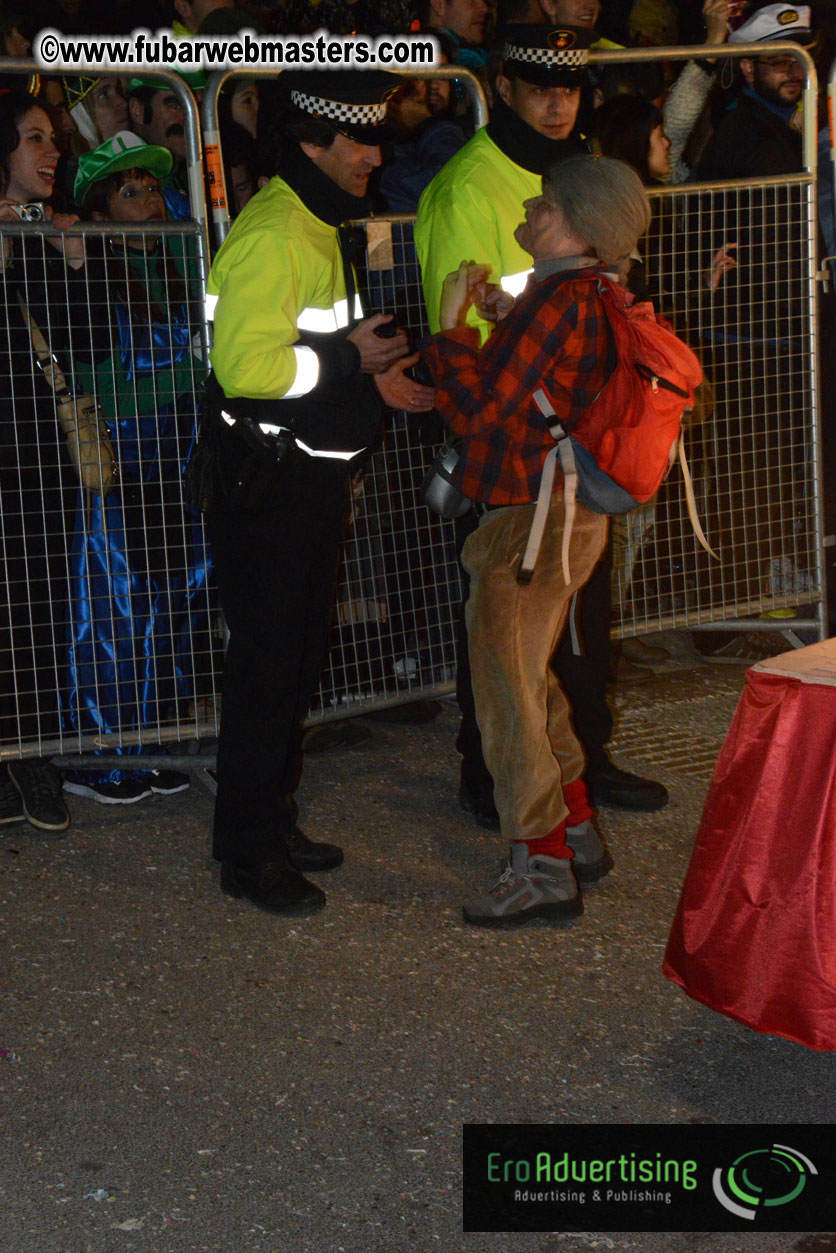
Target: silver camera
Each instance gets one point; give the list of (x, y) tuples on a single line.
[(438, 491), (29, 212)]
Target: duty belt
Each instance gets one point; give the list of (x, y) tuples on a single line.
[(278, 440)]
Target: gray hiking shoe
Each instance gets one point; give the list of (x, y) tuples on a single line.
[(529, 887), (592, 858)]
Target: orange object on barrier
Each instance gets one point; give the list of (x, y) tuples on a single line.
[(215, 176)]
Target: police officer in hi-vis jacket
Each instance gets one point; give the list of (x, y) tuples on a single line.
[(300, 379)]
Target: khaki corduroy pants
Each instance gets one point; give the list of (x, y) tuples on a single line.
[(528, 740)]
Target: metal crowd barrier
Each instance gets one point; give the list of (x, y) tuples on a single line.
[(755, 456), (83, 672), (754, 453), (109, 628), (399, 593)]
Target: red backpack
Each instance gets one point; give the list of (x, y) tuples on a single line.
[(622, 449)]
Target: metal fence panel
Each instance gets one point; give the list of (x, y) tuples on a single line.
[(398, 598), (407, 649), (108, 624), (755, 456), (108, 634), (109, 631)]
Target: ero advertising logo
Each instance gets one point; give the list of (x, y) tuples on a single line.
[(762, 1177), (648, 1177)]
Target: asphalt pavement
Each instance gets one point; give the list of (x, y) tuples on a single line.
[(181, 1073)]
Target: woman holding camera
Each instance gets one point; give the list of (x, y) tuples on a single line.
[(34, 468)]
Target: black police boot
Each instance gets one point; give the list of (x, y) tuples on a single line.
[(613, 788), (311, 855), (274, 886)]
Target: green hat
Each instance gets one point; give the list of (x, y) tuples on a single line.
[(125, 151), (196, 79)]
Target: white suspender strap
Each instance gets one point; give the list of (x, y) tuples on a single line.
[(570, 492), (538, 525), (690, 500), (563, 451)]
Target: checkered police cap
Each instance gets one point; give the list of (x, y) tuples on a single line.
[(340, 111), (353, 102), (570, 58), (545, 55)]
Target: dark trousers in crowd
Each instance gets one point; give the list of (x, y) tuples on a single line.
[(276, 534), (763, 474), (33, 602), (581, 662)]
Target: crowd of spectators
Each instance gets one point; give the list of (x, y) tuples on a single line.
[(668, 121), (433, 116)]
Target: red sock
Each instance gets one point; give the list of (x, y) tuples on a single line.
[(576, 799), (551, 845)]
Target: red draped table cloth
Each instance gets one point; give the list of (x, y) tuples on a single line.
[(754, 935)]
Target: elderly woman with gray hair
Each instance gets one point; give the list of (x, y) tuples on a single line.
[(556, 337)]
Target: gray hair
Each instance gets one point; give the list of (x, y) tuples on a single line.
[(603, 202)]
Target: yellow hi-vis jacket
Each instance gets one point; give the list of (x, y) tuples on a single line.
[(277, 296), (278, 272), (469, 212)]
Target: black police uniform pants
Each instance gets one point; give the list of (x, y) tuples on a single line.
[(581, 662), (276, 539)]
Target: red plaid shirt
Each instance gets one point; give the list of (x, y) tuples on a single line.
[(557, 337)]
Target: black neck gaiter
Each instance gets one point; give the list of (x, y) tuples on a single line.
[(525, 146), (318, 192)]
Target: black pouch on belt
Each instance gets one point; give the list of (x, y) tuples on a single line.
[(232, 461)]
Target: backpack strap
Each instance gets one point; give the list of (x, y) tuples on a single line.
[(690, 499), (565, 453)]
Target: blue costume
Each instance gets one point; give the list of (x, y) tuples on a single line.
[(138, 561)]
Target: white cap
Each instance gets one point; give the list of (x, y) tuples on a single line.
[(775, 21)]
